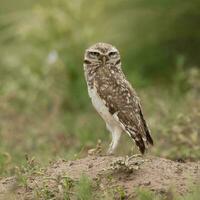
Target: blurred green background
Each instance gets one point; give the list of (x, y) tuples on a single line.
[(45, 111)]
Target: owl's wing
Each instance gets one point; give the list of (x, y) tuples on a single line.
[(132, 121), (122, 102)]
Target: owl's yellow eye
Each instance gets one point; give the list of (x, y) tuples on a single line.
[(113, 54), (94, 54)]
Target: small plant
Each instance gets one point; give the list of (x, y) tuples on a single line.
[(193, 195), (45, 193), (24, 172), (67, 185), (22, 179), (127, 164), (116, 192), (145, 194), (5, 159), (120, 192), (84, 188)]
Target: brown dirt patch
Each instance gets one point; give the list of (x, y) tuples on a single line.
[(157, 174)]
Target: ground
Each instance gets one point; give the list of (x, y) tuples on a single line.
[(119, 177)]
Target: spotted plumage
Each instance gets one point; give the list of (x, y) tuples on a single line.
[(113, 97)]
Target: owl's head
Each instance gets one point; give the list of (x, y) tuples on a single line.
[(103, 54)]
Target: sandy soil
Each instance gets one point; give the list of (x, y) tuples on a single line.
[(157, 174)]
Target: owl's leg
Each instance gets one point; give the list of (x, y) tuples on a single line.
[(116, 133)]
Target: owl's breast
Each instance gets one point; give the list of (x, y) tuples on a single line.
[(100, 105)]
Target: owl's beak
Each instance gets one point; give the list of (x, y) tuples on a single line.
[(104, 59)]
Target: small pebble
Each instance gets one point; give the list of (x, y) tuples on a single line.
[(90, 165), (147, 183)]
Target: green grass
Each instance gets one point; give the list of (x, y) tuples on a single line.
[(194, 195), (83, 188), (146, 194)]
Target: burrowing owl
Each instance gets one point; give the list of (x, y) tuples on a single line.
[(113, 96)]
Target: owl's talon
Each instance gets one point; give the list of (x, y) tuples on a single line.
[(134, 156), (110, 152)]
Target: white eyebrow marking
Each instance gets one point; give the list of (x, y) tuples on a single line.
[(93, 51)]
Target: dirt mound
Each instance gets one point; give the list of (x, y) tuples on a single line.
[(155, 173)]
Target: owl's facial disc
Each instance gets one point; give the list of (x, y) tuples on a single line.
[(102, 54)]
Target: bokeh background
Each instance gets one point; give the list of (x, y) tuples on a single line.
[(45, 111)]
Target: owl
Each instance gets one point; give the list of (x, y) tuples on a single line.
[(113, 97)]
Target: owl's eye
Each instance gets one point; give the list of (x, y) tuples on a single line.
[(94, 54), (113, 54)]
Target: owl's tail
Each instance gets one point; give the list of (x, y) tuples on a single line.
[(141, 142), (148, 136), (147, 132), (142, 139)]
